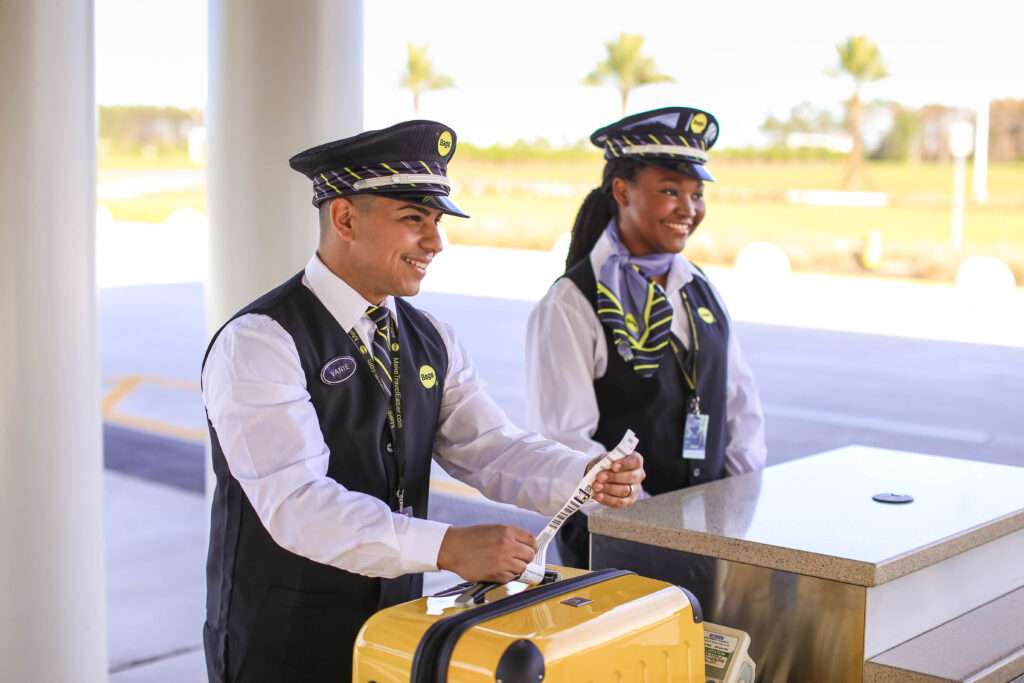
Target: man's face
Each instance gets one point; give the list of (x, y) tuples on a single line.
[(393, 243)]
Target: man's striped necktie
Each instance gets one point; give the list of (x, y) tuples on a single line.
[(641, 342), (381, 318)]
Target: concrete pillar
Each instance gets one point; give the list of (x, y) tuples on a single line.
[(283, 76), (52, 591)]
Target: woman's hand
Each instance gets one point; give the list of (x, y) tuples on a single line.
[(619, 487)]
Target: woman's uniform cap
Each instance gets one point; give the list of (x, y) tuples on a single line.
[(674, 137)]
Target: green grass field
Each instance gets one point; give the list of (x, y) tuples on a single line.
[(530, 204)]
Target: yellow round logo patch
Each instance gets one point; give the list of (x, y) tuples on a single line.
[(428, 378), (699, 123), (631, 324), (706, 315), (394, 346), (444, 143)]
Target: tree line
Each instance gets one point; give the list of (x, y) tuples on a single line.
[(911, 134)]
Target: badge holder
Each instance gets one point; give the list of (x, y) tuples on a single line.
[(695, 433)]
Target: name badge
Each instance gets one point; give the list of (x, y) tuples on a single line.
[(695, 436)]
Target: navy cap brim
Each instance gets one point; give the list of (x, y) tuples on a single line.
[(698, 171), (440, 201), (434, 201)]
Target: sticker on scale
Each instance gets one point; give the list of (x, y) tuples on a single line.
[(695, 436), (718, 648)]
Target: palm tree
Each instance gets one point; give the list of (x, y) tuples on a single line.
[(859, 59), (420, 75), (626, 67)]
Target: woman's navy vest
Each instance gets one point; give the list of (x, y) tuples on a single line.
[(272, 615), (655, 407)]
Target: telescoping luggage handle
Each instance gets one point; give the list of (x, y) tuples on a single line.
[(433, 655), (535, 572)]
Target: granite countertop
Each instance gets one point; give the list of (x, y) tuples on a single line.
[(815, 516)]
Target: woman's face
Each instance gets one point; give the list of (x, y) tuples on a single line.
[(658, 210)]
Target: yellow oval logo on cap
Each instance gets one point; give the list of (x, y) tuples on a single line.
[(631, 324), (444, 143), (699, 123), (706, 315), (428, 378)]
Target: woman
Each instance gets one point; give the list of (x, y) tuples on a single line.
[(633, 335)]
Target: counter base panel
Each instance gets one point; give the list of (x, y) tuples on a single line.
[(801, 628)]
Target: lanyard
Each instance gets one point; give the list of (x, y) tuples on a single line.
[(395, 422), (689, 375)]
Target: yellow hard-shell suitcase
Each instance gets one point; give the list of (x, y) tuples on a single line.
[(608, 625)]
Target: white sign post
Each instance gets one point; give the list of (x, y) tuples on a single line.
[(980, 181), (960, 143)]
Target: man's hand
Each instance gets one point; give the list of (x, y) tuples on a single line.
[(619, 487), (486, 552)]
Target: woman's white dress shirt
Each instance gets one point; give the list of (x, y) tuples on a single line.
[(566, 351)]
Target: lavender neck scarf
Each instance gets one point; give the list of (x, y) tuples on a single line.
[(626, 280)]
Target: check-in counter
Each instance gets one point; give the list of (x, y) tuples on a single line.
[(821, 575)]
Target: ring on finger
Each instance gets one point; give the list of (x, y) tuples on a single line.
[(630, 490)]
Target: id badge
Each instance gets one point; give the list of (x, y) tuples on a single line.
[(695, 436)]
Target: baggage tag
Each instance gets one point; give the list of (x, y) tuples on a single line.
[(534, 572), (695, 433)]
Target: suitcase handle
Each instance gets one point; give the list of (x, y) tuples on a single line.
[(475, 593)]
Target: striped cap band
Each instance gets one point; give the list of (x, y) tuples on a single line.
[(663, 145), (420, 176), (688, 153), (401, 179)]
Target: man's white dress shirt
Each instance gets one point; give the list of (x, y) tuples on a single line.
[(255, 394), (566, 351)]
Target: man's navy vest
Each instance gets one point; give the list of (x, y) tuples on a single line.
[(272, 615)]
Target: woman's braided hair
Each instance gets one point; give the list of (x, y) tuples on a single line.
[(597, 209)]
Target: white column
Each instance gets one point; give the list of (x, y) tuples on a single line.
[(284, 76), (52, 591)]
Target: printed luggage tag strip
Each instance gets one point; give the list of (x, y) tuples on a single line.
[(534, 573)]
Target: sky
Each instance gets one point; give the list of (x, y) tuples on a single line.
[(518, 67)]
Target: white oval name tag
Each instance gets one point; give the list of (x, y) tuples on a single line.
[(337, 370)]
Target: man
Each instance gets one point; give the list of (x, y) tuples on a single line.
[(326, 398)]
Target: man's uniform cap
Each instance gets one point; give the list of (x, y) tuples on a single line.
[(677, 138), (407, 161)]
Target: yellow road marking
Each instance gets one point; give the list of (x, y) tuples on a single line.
[(158, 427), (126, 385)]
